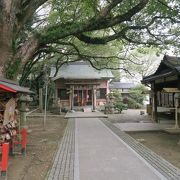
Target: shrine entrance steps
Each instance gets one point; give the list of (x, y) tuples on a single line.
[(85, 115), (87, 109), (82, 108)]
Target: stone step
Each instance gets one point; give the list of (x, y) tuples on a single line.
[(87, 109)]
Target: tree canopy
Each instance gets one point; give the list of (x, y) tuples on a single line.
[(32, 29), (145, 62)]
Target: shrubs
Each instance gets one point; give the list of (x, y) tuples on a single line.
[(132, 104), (133, 101), (117, 101), (136, 97), (120, 106)]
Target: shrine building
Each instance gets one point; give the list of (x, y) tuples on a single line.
[(78, 84), (165, 86)]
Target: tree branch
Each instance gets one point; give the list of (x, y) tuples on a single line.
[(122, 33), (110, 68), (105, 11), (27, 10), (164, 4), (127, 16), (50, 33)]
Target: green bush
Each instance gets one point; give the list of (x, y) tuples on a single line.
[(136, 93), (133, 104), (118, 101), (136, 97), (120, 106)]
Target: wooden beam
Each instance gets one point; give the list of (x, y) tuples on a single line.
[(171, 90), (154, 103)]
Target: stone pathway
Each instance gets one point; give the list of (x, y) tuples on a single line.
[(95, 150), (63, 166), (103, 156), (141, 126)]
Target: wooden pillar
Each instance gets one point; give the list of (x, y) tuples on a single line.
[(71, 97), (178, 82), (178, 86), (176, 113), (56, 97), (94, 98), (154, 103), (82, 95), (86, 95), (173, 99)]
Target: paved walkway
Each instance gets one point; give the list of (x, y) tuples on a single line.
[(97, 150), (63, 165), (142, 126), (103, 156)]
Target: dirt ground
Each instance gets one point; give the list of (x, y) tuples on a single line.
[(164, 144), (127, 116), (41, 147)]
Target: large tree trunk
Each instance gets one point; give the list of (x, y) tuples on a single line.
[(8, 25), (11, 23), (5, 34)]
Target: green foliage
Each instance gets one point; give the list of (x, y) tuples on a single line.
[(118, 104), (136, 97), (116, 74), (133, 104), (144, 62), (67, 11), (137, 93), (65, 20), (13, 69)]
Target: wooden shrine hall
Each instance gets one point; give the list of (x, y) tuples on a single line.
[(78, 84), (165, 86)]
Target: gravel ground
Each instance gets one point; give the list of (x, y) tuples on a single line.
[(130, 115)]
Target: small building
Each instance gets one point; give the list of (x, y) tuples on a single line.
[(123, 88), (164, 83), (78, 84), (9, 91), (9, 86)]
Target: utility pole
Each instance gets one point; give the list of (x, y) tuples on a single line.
[(45, 100)]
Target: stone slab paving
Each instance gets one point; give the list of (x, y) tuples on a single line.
[(169, 171), (103, 156), (85, 115), (63, 165), (142, 126)]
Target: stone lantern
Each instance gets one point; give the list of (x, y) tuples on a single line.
[(24, 101), (109, 107)]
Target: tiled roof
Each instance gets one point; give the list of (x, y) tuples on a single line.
[(170, 65), (12, 86), (120, 85), (80, 70)]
